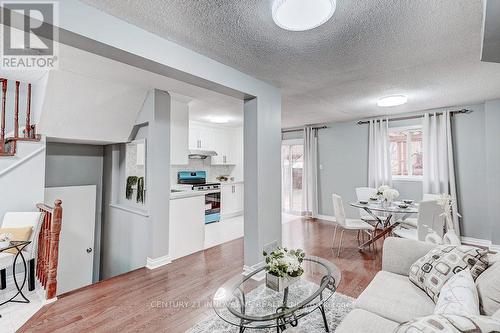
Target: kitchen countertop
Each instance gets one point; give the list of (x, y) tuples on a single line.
[(230, 182)]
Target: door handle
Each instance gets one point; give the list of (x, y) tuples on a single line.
[(89, 250)]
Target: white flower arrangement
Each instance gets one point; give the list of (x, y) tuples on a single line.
[(387, 193), (283, 262)]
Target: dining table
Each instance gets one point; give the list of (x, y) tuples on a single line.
[(383, 213)]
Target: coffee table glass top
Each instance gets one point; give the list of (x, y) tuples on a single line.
[(245, 301)]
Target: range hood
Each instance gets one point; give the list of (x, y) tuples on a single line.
[(201, 154)]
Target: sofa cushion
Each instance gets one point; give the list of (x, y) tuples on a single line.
[(458, 296), (450, 324), (432, 271), (394, 297), (363, 321), (488, 287)]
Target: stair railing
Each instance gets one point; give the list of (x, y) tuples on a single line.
[(48, 247)]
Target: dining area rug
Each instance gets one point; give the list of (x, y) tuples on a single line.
[(336, 308)]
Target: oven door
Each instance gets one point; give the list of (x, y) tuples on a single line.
[(212, 207)]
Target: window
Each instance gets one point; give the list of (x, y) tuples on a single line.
[(292, 160), (406, 152)]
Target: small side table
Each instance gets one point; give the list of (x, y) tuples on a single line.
[(19, 245)]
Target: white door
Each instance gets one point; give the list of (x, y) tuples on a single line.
[(76, 246)]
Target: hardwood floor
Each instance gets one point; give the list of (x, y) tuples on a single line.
[(174, 298)]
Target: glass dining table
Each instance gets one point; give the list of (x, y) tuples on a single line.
[(385, 221)]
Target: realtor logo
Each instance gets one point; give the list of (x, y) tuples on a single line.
[(29, 35)]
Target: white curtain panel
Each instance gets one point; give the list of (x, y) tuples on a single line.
[(379, 154), (310, 173), (439, 169)]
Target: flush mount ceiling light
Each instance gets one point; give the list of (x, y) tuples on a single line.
[(300, 15), (392, 101), (219, 120)]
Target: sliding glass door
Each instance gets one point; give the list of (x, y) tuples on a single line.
[(292, 163)]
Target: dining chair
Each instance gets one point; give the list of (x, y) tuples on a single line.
[(412, 221), (347, 223), (364, 194), (430, 218)]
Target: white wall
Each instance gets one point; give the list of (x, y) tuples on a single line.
[(23, 186)]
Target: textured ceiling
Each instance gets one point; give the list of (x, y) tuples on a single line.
[(426, 49)]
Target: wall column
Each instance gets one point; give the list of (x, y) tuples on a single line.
[(262, 169), (158, 179)]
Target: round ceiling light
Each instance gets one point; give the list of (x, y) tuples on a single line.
[(300, 15), (392, 101)]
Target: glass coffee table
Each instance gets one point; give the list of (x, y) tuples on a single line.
[(246, 302)]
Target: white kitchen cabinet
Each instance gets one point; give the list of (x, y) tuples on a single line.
[(201, 136), (231, 199), (179, 131), (187, 226)]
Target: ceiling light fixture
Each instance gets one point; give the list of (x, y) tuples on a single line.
[(300, 15), (219, 120), (392, 101)]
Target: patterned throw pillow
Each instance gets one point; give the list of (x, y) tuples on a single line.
[(431, 272), (450, 324)]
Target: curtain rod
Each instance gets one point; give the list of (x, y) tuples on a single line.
[(301, 129), (466, 111)]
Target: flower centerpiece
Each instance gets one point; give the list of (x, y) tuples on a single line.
[(387, 193), (5, 239), (283, 267)]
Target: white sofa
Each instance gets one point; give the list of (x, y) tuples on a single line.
[(391, 299)]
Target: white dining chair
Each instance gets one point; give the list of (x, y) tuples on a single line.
[(430, 218), (347, 223), (412, 221), (364, 194)]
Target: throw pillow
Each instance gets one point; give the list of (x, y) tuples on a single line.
[(17, 234), (450, 324), (496, 315), (488, 287), (458, 296), (431, 272)]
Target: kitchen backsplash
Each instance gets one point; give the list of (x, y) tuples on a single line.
[(201, 165)]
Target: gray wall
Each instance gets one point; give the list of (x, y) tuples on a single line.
[(343, 160), (77, 165)]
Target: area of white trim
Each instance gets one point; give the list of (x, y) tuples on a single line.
[(247, 270), (23, 160), (326, 218), (476, 241), (130, 210), (153, 263)]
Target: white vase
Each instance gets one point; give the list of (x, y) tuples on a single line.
[(279, 284)]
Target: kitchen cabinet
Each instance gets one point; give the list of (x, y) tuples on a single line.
[(232, 199), (201, 136), (179, 132), (187, 226)]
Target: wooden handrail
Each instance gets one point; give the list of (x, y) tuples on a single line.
[(48, 247)]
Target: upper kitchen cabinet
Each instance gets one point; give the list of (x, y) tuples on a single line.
[(229, 146), (201, 136), (179, 130)]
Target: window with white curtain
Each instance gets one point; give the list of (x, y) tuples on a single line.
[(406, 152)]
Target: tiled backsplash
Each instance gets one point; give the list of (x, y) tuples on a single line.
[(200, 165)]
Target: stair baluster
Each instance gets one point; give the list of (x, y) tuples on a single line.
[(2, 128), (27, 130), (16, 113)]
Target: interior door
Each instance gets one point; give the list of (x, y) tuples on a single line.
[(76, 247)]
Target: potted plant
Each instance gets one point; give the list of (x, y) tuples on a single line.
[(283, 268)]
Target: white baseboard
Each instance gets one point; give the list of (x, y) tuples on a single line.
[(250, 269), (326, 218), (481, 242), (153, 263)]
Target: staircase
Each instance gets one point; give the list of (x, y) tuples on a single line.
[(8, 145)]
